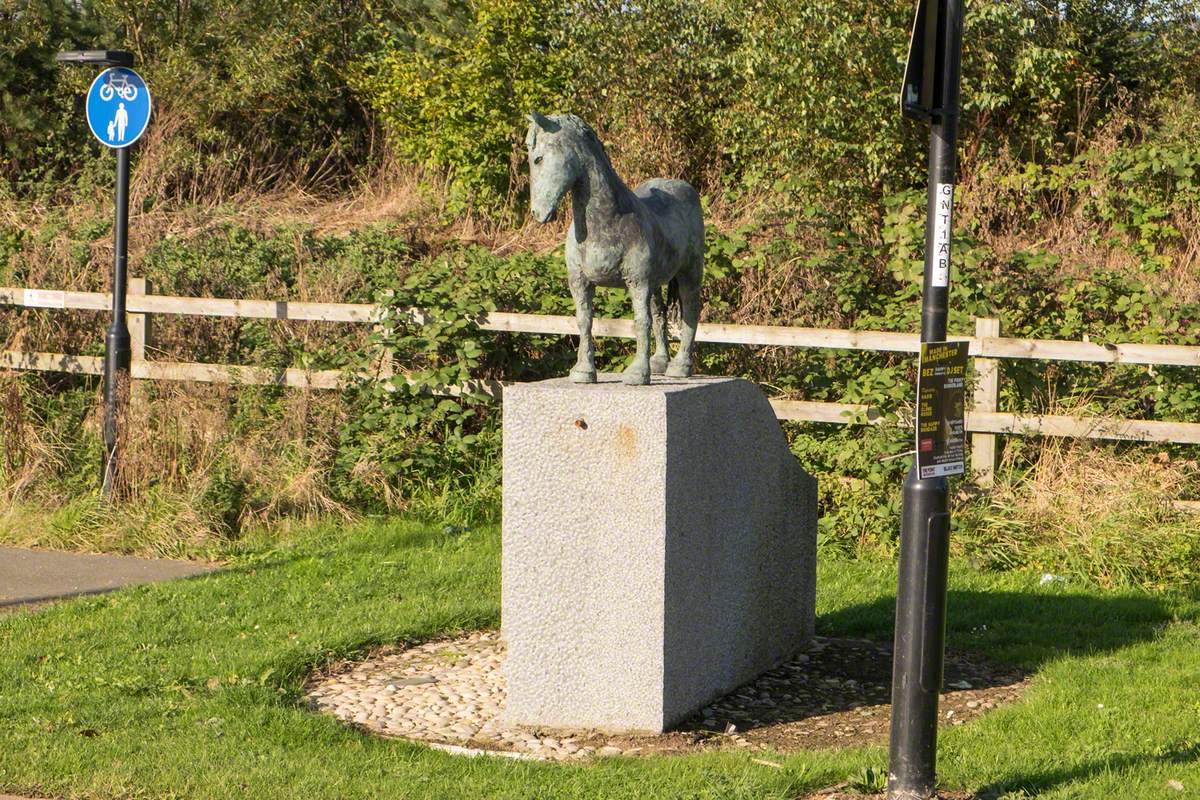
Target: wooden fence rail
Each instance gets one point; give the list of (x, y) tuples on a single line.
[(984, 421)]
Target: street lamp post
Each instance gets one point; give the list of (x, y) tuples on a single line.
[(931, 93)]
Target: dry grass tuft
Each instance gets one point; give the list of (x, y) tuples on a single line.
[(194, 472), (1073, 481), (1097, 511)]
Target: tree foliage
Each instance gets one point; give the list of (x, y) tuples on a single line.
[(245, 93), (454, 98), (736, 95)]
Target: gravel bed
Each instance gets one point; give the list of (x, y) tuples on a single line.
[(450, 694)]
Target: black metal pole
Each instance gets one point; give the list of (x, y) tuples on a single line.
[(117, 351), (925, 525)]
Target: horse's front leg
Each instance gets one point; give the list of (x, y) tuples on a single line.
[(638, 373), (583, 292)]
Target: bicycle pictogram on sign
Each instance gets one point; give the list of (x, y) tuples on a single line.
[(118, 83)]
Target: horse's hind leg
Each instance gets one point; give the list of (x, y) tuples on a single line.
[(689, 308), (658, 307), (585, 365)]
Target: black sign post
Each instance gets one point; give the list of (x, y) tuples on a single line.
[(117, 349), (118, 352), (930, 92)]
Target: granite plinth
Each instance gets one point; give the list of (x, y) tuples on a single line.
[(659, 549)]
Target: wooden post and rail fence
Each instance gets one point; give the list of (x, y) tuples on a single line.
[(984, 421)]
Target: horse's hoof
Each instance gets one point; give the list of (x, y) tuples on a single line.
[(658, 364), (583, 376), (637, 376), (679, 370)]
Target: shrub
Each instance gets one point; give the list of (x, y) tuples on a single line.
[(455, 99)]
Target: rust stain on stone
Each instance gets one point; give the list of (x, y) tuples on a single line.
[(626, 442)]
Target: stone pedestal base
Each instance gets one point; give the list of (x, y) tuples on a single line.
[(659, 549)]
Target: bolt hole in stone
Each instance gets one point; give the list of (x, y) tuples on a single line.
[(450, 694)]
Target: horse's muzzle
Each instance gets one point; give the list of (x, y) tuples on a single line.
[(548, 216)]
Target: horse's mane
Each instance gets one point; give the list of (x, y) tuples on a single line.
[(579, 130)]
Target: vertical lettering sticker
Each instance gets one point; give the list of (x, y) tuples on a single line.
[(943, 214)]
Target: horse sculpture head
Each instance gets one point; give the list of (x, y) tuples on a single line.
[(554, 163)]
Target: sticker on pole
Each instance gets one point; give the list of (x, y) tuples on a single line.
[(941, 396), (118, 107), (943, 224)]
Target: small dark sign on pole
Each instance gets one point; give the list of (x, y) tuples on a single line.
[(917, 95), (118, 111), (931, 93)]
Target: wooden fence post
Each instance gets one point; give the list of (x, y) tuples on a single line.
[(139, 335), (386, 356), (139, 324), (987, 398)]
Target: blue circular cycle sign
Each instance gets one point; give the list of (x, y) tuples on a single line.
[(118, 107)]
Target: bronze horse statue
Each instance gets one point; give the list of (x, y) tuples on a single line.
[(645, 238)]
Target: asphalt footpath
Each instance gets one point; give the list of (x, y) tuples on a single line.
[(38, 576)]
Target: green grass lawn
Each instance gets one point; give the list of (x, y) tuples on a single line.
[(192, 689)]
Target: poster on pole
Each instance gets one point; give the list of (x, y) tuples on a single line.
[(941, 401)]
